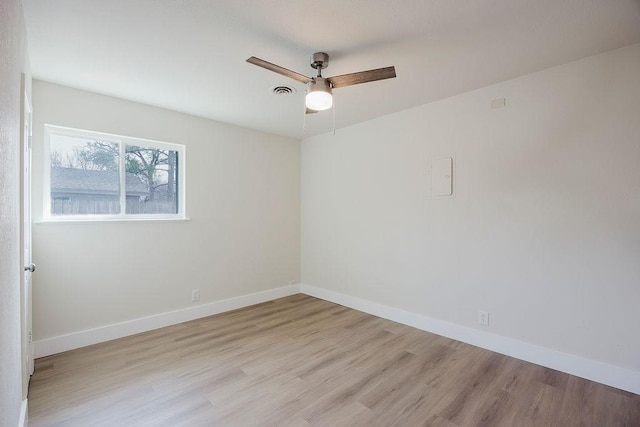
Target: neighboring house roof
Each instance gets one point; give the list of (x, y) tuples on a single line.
[(83, 181)]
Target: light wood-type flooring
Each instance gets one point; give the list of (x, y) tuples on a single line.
[(301, 361)]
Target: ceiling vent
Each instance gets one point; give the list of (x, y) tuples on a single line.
[(283, 90)]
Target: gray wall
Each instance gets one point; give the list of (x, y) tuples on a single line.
[(243, 237), (544, 228)]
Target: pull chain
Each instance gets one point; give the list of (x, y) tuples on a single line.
[(304, 119), (334, 115)]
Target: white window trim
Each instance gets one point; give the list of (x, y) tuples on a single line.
[(50, 130)]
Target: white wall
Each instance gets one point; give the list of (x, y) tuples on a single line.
[(13, 63), (243, 199), (544, 228)]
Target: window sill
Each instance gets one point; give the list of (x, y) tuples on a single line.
[(88, 220)]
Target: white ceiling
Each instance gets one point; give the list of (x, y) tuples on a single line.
[(189, 55)]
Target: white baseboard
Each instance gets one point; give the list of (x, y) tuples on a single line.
[(23, 414), (87, 337), (614, 376)]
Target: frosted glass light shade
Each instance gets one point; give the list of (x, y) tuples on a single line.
[(319, 101), (319, 95)]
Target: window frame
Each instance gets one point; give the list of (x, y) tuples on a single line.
[(122, 141)]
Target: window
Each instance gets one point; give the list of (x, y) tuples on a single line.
[(92, 175)]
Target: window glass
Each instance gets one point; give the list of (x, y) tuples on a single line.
[(109, 176), (85, 178), (152, 180)]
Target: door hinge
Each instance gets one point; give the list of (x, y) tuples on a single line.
[(30, 337)]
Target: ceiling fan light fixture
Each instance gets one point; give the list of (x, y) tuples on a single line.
[(319, 95), (319, 90)]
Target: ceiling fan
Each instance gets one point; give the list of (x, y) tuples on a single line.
[(319, 89)]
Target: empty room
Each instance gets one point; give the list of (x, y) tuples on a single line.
[(337, 213)]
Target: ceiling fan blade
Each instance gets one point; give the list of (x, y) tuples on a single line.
[(308, 110), (362, 77), (278, 69)]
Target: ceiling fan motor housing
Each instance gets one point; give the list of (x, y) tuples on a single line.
[(319, 60)]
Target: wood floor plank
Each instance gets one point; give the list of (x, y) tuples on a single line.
[(300, 361)]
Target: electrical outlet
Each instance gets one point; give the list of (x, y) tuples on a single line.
[(483, 317), (195, 295)]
